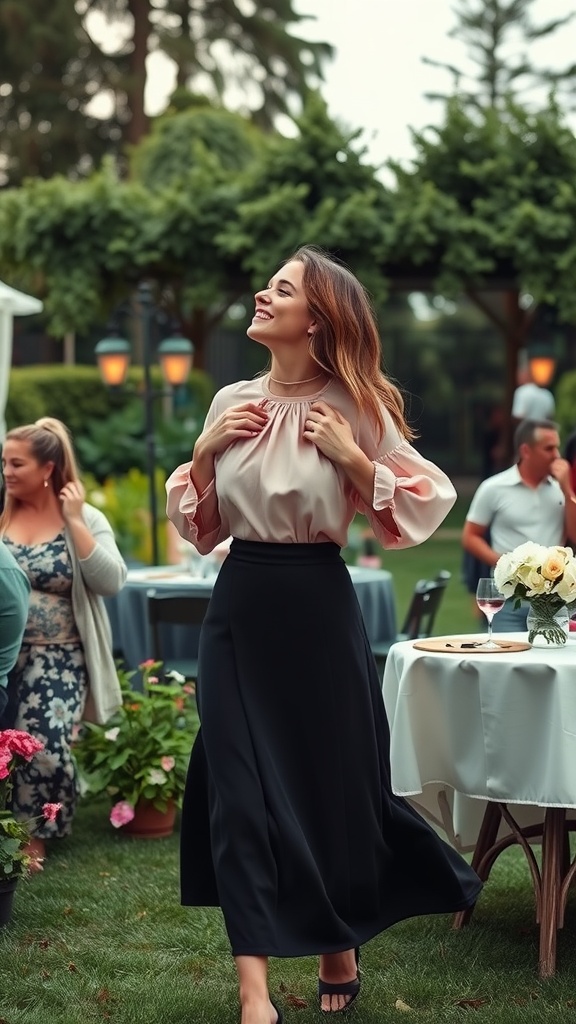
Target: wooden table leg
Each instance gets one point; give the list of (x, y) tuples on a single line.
[(486, 839), (553, 854)]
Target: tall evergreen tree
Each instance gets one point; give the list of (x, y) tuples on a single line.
[(50, 71), (489, 28), (216, 45)]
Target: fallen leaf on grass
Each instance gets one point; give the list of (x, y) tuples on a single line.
[(471, 1004), (72, 967), (401, 1005), (44, 943), (296, 1001), (103, 996)]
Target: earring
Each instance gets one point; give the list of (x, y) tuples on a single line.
[(45, 483)]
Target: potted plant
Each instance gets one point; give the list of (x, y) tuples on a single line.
[(140, 756), (16, 748)]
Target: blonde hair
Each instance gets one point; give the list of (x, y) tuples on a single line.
[(346, 342), (49, 441)]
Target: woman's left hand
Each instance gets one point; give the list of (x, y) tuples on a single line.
[(329, 431), (72, 498)]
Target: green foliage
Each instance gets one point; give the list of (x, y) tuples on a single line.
[(17, 748), (49, 72), (565, 395), (202, 135), (74, 394), (125, 501), (94, 414), (14, 835), (142, 752), (314, 188), (490, 198)]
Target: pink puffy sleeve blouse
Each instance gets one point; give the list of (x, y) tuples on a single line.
[(278, 487)]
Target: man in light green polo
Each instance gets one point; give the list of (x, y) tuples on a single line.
[(14, 594)]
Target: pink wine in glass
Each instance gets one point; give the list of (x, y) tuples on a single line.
[(490, 605), (489, 600)]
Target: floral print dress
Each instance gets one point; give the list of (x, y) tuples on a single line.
[(51, 685)]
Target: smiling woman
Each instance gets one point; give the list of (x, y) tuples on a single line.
[(65, 670), (289, 823)]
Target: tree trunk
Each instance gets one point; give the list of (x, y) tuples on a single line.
[(138, 125)]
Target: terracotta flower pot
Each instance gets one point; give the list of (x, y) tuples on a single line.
[(150, 823), (7, 890)]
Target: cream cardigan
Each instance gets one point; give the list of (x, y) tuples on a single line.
[(100, 575)]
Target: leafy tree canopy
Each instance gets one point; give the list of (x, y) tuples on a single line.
[(490, 199), (206, 237)]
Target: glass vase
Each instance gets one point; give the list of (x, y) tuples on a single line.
[(548, 624)]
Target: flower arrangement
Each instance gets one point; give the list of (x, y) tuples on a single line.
[(546, 578), (16, 749), (142, 752)]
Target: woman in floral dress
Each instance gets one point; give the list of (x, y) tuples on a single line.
[(65, 670)]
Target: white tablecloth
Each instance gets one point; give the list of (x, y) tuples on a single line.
[(466, 728)]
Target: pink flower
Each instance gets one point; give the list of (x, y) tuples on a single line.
[(187, 688), (147, 664), (50, 811), (167, 763), (20, 743), (152, 679), (121, 813), (5, 759)]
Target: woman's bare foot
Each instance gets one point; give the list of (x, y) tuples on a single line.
[(36, 850), (337, 969)]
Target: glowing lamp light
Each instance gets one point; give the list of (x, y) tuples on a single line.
[(542, 366), (175, 355), (113, 355)]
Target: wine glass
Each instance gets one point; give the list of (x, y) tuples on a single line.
[(489, 600)]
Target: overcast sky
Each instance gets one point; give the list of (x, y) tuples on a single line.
[(377, 80)]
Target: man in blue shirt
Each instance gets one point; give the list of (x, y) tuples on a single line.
[(14, 593)]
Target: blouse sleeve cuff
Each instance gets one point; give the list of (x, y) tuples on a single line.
[(385, 483)]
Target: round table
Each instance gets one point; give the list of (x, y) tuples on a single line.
[(485, 746), (128, 610)]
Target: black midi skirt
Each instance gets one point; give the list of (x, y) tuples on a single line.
[(289, 823)]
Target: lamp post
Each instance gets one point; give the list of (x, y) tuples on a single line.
[(113, 355)]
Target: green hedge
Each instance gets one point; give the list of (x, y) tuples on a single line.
[(76, 395)]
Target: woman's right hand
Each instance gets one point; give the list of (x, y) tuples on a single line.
[(231, 425)]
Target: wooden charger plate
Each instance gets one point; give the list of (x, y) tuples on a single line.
[(469, 645)]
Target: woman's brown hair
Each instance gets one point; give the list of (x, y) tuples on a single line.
[(346, 342), (49, 441)]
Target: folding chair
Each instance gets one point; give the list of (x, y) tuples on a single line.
[(420, 616), (178, 610)]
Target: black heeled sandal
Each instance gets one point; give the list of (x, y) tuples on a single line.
[(344, 988), (280, 1017)]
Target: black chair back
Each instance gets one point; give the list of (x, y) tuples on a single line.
[(174, 610), (424, 605)]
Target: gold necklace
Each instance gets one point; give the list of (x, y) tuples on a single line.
[(293, 383)]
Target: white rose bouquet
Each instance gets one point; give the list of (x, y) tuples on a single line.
[(545, 577)]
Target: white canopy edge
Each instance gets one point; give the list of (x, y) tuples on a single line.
[(12, 303)]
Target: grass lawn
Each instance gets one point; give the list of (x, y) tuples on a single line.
[(99, 936)]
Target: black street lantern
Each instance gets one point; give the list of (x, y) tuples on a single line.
[(175, 355)]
